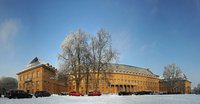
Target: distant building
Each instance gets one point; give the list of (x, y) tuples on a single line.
[(39, 76), (180, 87)]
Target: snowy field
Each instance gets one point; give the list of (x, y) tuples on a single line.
[(108, 99)]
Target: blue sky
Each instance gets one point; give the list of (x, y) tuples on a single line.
[(146, 33)]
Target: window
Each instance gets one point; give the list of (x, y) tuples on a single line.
[(20, 78), (38, 82), (44, 73), (32, 74), (45, 82), (38, 73), (28, 85), (28, 77)]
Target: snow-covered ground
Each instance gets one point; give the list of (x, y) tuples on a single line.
[(108, 99)]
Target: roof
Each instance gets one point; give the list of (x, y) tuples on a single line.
[(34, 60), (134, 69), (163, 80), (37, 63)]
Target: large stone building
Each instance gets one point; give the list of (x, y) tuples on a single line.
[(122, 78), (41, 76)]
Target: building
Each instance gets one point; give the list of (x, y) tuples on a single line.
[(180, 87), (39, 76), (122, 78)]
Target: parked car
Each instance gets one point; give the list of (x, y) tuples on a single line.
[(42, 94), (74, 93), (18, 94), (125, 93), (143, 93), (94, 93), (64, 93), (7, 94)]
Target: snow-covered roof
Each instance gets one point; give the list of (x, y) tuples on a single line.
[(36, 62), (134, 69)]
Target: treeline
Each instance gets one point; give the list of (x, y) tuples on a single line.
[(7, 83), (196, 89)]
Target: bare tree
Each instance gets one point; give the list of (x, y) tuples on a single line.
[(74, 50), (173, 75), (102, 54), (82, 58)]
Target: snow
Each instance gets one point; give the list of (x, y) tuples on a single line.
[(108, 99)]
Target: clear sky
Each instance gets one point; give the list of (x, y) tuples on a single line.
[(146, 33)]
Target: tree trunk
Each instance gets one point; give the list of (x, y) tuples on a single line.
[(77, 86), (97, 82), (87, 83)]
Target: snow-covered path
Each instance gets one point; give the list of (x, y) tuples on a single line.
[(108, 99)]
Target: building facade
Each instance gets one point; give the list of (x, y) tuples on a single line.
[(121, 78), (180, 87), (40, 76)]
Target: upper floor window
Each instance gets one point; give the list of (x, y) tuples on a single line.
[(38, 82), (38, 73), (20, 78), (102, 81), (28, 76), (44, 73), (32, 74)]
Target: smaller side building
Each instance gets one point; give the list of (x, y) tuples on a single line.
[(40, 76), (177, 87)]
